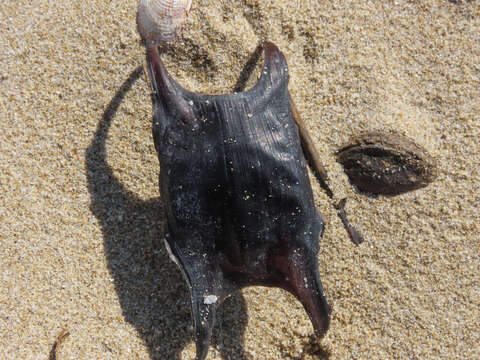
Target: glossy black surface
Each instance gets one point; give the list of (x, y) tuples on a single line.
[(237, 196)]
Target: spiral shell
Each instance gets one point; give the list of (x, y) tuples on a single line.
[(160, 21)]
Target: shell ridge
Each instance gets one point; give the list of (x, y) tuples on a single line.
[(160, 21)]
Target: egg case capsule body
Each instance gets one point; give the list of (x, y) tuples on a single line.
[(239, 202)]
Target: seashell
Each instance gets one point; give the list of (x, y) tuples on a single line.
[(160, 21), (238, 198), (386, 163)]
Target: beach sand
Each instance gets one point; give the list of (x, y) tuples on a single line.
[(81, 217)]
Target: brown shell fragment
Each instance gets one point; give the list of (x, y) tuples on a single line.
[(386, 163)]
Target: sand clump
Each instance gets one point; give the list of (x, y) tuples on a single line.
[(81, 216)]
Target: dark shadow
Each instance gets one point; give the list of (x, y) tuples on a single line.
[(459, 2), (312, 348), (248, 69), (150, 288)]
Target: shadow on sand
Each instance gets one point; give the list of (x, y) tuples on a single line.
[(150, 288)]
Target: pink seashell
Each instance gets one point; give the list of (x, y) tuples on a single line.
[(160, 21)]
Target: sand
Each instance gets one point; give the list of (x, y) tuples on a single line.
[(81, 216)]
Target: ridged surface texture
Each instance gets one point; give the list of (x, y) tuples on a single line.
[(160, 21), (238, 199)]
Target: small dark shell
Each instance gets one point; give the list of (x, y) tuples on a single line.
[(386, 163)]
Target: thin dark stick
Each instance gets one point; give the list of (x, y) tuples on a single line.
[(60, 339)]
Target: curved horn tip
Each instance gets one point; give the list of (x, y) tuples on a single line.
[(162, 82), (268, 45), (270, 49), (275, 64)]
